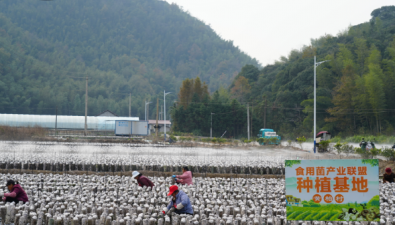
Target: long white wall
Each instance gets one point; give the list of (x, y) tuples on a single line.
[(63, 122)]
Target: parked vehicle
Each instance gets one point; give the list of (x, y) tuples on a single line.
[(269, 134)]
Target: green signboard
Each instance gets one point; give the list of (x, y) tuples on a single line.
[(332, 190)]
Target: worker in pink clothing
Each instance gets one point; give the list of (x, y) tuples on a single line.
[(17, 194), (185, 178)]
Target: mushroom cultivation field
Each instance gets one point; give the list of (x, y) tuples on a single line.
[(114, 200), (97, 199), (97, 157)]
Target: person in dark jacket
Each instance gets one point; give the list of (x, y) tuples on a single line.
[(180, 201), (388, 176), (17, 194), (142, 180), (363, 144)]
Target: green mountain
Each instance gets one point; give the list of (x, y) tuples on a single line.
[(355, 89), (123, 46)]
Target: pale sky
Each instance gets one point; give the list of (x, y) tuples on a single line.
[(267, 30)]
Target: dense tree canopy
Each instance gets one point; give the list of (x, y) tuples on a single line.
[(355, 90), (123, 46), (193, 114)]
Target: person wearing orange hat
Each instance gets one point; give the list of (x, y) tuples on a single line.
[(180, 201), (388, 176)]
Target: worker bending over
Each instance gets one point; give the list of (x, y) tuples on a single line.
[(185, 178), (180, 201), (388, 176), (17, 194), (142, 180)]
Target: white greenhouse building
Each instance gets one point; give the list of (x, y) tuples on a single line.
[(100, 123)]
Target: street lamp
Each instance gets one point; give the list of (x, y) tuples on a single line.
[(211, 128), (315, 98), (164, 111), (146, 103)]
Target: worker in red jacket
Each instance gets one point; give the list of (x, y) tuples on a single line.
[(142, 180), (17, 194)]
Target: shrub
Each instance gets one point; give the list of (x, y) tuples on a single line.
[(375, 152), (206, 140), (363, 153), (173, 138), (273, 140), (347, 149), (388, 153), (338, 146), (324, 145), (221, 140), (301, 140)]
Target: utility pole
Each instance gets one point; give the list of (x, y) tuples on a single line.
[(315, 98), (248, 121), (157, 112), (86, 106), (130, 104), (252, 112), (148, 113), (145, 112), (211, 128), (264, 114), (56, 121), (164, 104), (315, 101)]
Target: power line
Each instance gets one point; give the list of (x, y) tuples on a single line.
[(276, 107)]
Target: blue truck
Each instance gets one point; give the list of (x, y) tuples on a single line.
[(267, 134)]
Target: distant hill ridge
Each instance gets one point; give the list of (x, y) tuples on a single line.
[(124, 46), (355, 88)]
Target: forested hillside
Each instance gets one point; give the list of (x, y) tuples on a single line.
[(355, 89), (123, 46)]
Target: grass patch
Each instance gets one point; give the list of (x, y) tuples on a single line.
[(21, 133), (357, 138)]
